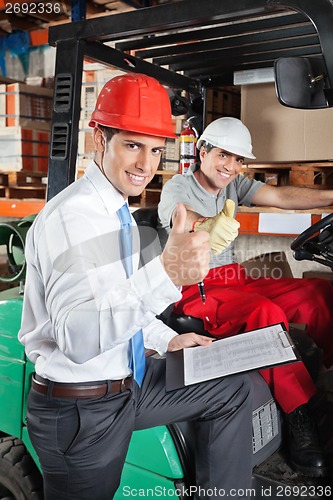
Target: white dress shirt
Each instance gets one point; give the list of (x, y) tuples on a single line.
[(79, 310)]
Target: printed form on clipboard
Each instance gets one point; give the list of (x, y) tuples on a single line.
[(254, 350)]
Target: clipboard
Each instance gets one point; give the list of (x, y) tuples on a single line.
[(176, 361)]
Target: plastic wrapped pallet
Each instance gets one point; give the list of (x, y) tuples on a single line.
[(27, 106), (24, 149), (2, 105)]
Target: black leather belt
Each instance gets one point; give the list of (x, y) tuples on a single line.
[(80, 391)]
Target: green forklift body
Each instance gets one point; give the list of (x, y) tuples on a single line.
[(152, 462), (12, 363)]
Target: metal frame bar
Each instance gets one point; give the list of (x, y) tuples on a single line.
[(69, 60), (231, 64), (224, 57), (76, 40), (165, 17), (127, 62), (260, 39), (292, 19)]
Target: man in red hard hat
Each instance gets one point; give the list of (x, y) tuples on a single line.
[(88, 309)]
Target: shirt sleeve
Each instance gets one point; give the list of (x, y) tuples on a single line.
[(81, 296), (157, 336), (118, 314), (246, 189), (173, 192)]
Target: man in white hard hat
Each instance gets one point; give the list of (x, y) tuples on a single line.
[(235, 302)]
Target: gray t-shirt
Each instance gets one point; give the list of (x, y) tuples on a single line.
[(187, 190)]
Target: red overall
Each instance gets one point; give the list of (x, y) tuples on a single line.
[(237, 303)]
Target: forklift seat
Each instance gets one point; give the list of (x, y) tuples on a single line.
[(146, 216)]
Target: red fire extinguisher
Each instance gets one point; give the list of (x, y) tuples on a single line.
[(188, 141)]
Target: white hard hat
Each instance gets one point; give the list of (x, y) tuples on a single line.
[(229, 134)]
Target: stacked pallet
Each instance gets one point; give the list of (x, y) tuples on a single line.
[(22, 185), (274, 175), (25, 122), (315, 175)]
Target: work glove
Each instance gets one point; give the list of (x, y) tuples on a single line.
[(222, 229)]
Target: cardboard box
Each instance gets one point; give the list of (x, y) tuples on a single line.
[(222, 102), (24, 149), (285, 134), (28, 106)]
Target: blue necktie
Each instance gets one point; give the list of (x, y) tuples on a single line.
[(125, 239)]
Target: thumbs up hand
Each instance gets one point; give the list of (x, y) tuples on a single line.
[(186, 255), (223, 228)]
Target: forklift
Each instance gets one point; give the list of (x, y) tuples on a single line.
[(188, 49)]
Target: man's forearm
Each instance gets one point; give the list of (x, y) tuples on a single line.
[(293, 197), (305, 198)]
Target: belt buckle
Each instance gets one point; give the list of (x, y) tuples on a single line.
[(123, 385)]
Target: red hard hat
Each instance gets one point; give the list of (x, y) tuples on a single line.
[(134, 102)]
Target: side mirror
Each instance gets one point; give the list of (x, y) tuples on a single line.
[(302, 83)]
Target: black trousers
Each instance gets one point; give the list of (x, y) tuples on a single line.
[(82, 443)]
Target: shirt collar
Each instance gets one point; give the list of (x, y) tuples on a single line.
[(110, 196)]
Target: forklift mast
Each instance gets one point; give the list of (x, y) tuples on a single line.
[(185, 47)]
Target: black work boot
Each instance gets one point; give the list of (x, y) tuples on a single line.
[(306, 454)]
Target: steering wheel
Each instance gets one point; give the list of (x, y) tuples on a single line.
[(307, 236)]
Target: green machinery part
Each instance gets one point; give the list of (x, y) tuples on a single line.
[(12, 235)]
